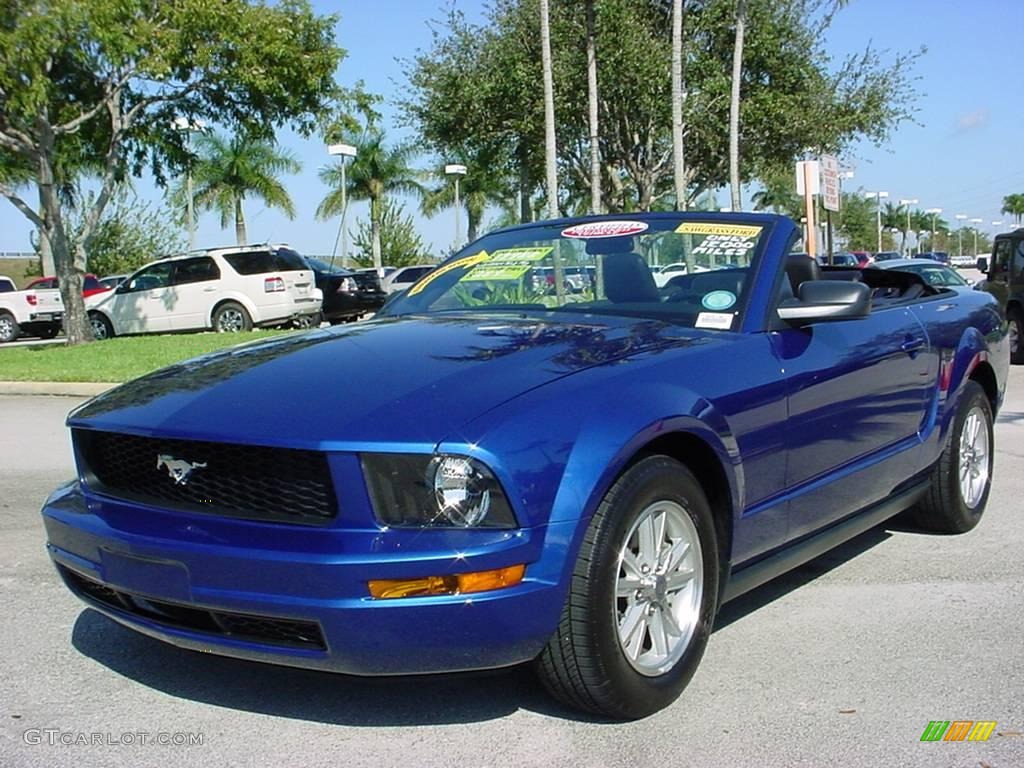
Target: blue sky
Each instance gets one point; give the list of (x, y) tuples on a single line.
[(964, 155)]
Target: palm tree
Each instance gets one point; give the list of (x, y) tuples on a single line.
[(1014, 206), (375, 172), (894, 216), (483, 185), (592, 113), (734, 104), (229, 170), (550, 148)]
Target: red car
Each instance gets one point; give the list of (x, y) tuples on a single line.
[(90, 286), (863, 258)]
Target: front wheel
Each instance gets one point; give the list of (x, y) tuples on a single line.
[(9, 329), (231, 317), (101, 326), (1016, 329), (642, 598), (962, 477)]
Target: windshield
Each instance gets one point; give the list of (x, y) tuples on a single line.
[(600, 267), (323, 266)]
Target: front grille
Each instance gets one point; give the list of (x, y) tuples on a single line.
[(242, 626), (279, 484)]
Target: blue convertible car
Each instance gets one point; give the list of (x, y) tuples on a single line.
[(500, 468)]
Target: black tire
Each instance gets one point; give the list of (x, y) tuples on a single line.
[(231, 317), (584, 664), (944, 509), (102, 328), (305, 322), (9, 329), (49, 332), (1016, 330)]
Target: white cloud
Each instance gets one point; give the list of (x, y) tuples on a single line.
[(973, 120)]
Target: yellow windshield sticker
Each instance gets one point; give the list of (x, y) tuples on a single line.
[(507, 264), (465, 261), (704, 228)]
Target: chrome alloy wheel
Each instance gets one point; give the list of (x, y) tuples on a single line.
[(974, 458), (7, 328), (659, 588), (99, 328), (230, 321), (1014, 337)]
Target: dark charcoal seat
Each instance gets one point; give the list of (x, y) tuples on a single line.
[(799, 269), (627, 279)]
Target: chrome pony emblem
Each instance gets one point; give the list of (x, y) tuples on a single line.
[(179, 469)]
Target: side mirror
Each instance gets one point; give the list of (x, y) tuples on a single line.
[(982, 264), (827, 300)]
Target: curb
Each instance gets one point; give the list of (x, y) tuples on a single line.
[(58, 388)]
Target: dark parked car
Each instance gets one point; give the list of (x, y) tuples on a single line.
[(348, 295), (1004, 279), (940, 256), (476, 479), (933, 273)]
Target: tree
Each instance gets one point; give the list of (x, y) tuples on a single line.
[(130, 234), (479, 188), (593, 110), (1014, 206), (734, 105), (227, 171), (376, 172), (400, 245), (97, 83), (477, 85)]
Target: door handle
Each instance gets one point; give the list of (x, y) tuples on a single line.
[(209, 290), (912, 345)]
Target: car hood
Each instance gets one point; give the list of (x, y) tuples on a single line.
[(391, 380)]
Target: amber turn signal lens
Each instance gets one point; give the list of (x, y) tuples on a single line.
[(455, 584)]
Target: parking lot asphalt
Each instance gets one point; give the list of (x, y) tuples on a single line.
[(842, 662)]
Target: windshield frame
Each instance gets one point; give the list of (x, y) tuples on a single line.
[(520, 236)]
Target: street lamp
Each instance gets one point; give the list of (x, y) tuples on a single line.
[(960, 233), (342, 151), (934, 212), (877, 196), (189, 126), (909, 202), (976, 221), (456, 170)]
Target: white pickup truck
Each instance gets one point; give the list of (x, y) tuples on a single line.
[(33, 313)]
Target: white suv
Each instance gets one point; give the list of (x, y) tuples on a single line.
[(224, 289)]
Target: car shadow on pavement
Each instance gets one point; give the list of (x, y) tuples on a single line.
[(311, 695), (782, 585)]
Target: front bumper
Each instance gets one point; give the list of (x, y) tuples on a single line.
[(297, 595)]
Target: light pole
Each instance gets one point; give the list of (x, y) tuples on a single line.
[(908, 202), (456, 170), (342, 151), (189, 126), (976, 222), (934, 212), (960, 233), (877, 197)]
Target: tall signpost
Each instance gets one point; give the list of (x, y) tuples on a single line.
[(829, 195)]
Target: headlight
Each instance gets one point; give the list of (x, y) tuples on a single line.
[(419, 490)]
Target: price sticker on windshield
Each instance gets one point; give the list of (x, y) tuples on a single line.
[(465, 261)]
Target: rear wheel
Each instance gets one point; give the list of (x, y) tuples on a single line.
[(1016, 319), (308, 321), (642, 598), (231, 317), (49, 332), (962, 478), (9, 329), (101, 326)]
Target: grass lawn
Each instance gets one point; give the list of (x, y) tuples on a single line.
[(113, 360)]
